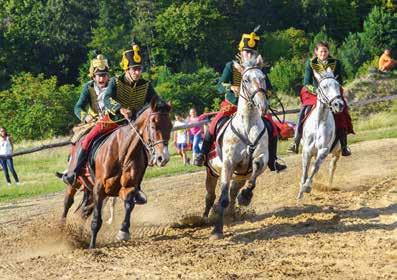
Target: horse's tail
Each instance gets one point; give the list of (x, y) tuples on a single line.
[(88, 208)]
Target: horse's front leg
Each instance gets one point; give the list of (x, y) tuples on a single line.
[(96, 223), (224, 199), (67, 202), (306, 159), (332, 167), (210, 185), (124, 232), (258, 166), (321, 155)]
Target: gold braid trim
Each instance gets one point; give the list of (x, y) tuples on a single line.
[(93, 100), (322, 67), (236, 77), (131, 97)]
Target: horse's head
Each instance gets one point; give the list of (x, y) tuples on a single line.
[(159, 131), (253, 83), (328, 91)]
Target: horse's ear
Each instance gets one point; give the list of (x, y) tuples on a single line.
[(317, 75), (153, 103), (329, 70), (238, 67), (259, 61)]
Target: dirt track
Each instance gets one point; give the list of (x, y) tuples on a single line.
[(349, 232)]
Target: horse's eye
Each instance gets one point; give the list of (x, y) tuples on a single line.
[(246, 80)]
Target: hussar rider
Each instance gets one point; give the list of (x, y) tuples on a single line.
[(124, 96), (90, 107), (229, 86)]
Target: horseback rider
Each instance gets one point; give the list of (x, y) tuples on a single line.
[(229, 85), (89, 108), (124, 96), (321, 61)]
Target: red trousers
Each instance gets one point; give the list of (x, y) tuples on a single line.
[(103, 126), (342, 120)]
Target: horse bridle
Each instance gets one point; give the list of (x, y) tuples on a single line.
[(152, 142), (321, 93), (249, 99)]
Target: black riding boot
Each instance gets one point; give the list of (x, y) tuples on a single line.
[(294, 147), (81, 159), (205, 149), (272, 163), (342, 135)]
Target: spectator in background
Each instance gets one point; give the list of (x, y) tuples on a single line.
[(181, 139), (386, 63), (6, 151), (195, 132)]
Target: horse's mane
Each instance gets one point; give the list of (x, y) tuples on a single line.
[(160, 106)]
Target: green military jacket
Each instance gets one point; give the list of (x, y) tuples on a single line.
[(320, 66), (87, 103), (232, 77), (121, 93)]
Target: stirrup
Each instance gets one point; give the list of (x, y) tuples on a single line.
[(346, 152), (278, 167), (293, 148), (199, 160)]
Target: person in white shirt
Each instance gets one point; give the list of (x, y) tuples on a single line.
[(6, 151), (181, 139)]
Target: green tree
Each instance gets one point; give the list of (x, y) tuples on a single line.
[(189, 34), (47, 36), (286, 75), (187, 90), (380, 31), (287, 43), (36, 108), (352, 54)]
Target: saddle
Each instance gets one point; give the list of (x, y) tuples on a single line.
[(94, 148), (216, 147), (80, 131)]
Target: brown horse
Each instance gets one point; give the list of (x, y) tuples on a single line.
[(121, 162)]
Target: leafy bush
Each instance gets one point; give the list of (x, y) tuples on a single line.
[(36, 108), (188, 90), (287, 75), (364, 68)]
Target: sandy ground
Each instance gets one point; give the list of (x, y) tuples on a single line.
[(348, 232)]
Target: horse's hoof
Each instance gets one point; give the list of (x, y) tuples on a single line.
[(216, 236), (123, 236), (300, 196), (244, 197), (307, 189)]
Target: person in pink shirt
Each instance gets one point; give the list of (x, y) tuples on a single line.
[(195, 132)]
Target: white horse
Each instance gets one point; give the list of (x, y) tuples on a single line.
[(244, 146), (319, 130)]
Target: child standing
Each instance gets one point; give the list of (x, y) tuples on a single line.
[(181, 139)]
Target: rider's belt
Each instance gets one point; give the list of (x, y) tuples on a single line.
[(236, 77), (131, 97)]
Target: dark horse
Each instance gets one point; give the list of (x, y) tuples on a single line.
[(121, 162)]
